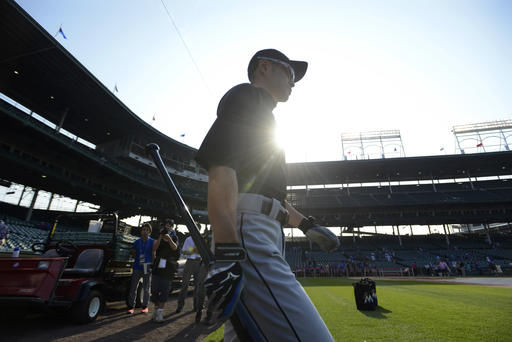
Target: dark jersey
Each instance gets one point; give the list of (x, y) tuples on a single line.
[(165, 251), (243, 138)]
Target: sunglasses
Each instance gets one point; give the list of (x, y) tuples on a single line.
[(286, 65)]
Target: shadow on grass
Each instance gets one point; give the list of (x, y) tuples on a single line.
[(379, 313)]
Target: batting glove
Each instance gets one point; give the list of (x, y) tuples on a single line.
[(224, 281), (322, 236)]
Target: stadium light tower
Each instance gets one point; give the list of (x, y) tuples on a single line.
[(365, 145), (491, 136)]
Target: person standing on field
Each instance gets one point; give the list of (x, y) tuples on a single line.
[(4, 233), (166, 254), (143, 252), (192, 265), (247, 208)]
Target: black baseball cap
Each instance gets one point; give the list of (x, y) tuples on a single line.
[(299, 67)]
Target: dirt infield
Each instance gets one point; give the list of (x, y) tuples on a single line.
[(486, 281), (113, 325)]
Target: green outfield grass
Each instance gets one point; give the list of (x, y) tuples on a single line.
[(412, 311)]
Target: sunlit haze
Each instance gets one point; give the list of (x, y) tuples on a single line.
[(417, 66)]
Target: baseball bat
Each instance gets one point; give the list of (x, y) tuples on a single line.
[(244, 324)]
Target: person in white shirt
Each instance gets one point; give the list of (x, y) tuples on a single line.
[(192, 267), (444, 268)]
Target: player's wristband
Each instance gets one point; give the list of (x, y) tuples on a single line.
[(306, 223), (229, 252)]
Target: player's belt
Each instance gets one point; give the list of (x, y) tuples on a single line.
[(254, 203)]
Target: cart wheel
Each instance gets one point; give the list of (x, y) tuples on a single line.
[(88, 310)]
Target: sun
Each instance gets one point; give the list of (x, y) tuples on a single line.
[(289, 138)]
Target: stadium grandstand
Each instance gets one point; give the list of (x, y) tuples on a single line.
[(468, 195), (67, 136)]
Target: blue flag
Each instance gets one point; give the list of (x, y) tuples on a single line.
[(182, 135), (61, 32)]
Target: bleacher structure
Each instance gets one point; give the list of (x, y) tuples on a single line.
[(23, 234), (461, 190), (89, 145), (384, 256), (64, 132)]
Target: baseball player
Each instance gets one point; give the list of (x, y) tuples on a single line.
[(247, 208)]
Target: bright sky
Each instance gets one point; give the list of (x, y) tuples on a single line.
[(417, 66)]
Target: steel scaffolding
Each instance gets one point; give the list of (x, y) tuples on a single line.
[(372, 145), (489, 136)]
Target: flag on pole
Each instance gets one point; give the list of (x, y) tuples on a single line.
[(480, 144), (115, 88), (182, 135), (394, 149), (441, 149), (154, 117), (61, 32)]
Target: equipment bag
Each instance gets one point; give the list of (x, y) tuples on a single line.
[(365, 293)]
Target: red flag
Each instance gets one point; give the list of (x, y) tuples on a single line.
[(480, 144)]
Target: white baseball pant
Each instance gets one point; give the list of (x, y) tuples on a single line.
[(276, 300)]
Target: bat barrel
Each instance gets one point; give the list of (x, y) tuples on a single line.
[(153, 150)]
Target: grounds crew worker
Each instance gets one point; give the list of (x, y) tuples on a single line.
[(247, 208)]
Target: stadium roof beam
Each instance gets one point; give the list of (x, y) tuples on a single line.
[(483, 126), (38, 73), (30, 149), (400, 169)]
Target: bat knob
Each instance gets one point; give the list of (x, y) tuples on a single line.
[(152, 147)]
